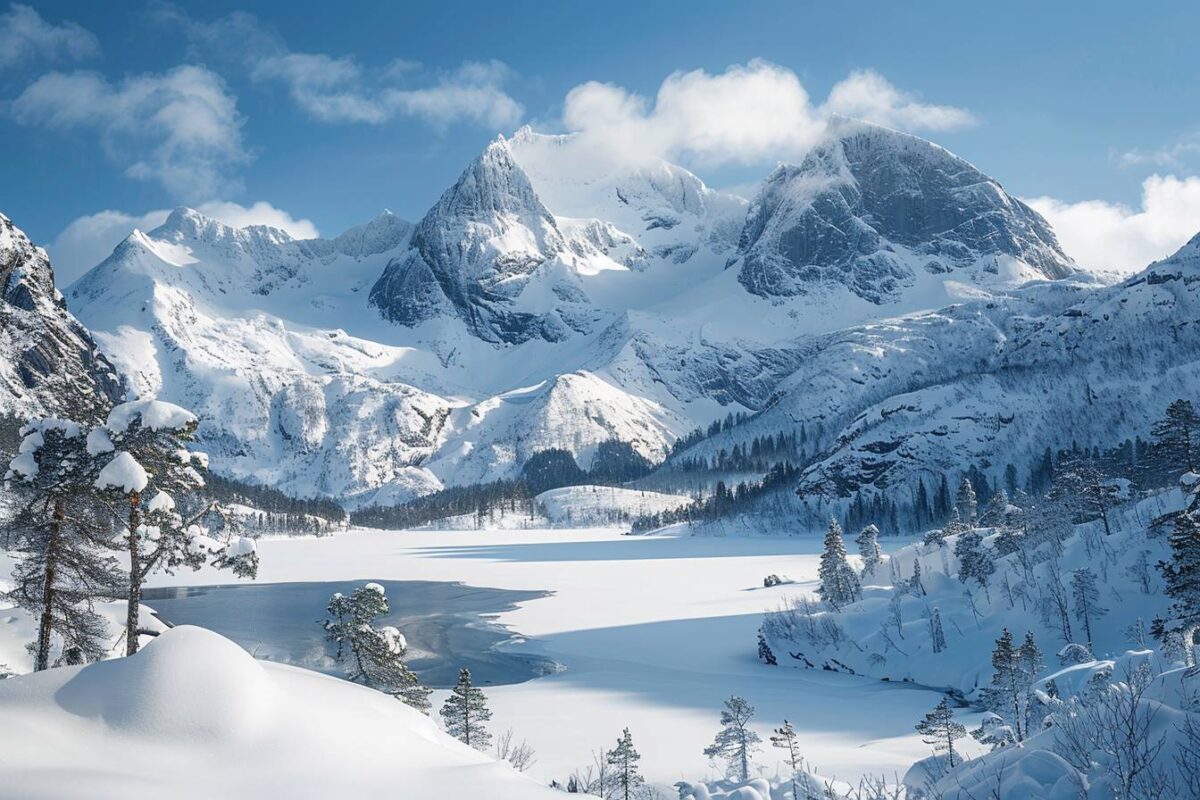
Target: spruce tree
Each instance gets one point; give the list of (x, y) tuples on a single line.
[(375, 656), (839, 585), (624, 759), (61, 543), (940, 730), (1182, 576), (1087, 599), (735, 743), (465, 713), (1004, 694), (975, 560), (966, 503), (785, 739), (1030, 664), (868, 548), (914, 583), (1175, 438)]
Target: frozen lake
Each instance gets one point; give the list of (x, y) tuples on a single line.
[(447, 625)]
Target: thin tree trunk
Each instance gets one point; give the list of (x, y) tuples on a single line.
[(135, 578), (46, 623)]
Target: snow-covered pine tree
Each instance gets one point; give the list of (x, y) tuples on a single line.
[(375, 655), (735, 743), (1175, 438), (60, 542), (1095, 492), (624, 760), (868, 547), (839, 585), (975, 560), (995, 513), (465, 713), (936, 633), (1003, 696), (914, 583), (146, 466), (966, 503), (1030, 663), (785, 739), (1182, 576), (940, 730), (1087, 599)]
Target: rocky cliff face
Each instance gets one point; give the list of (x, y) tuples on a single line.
[(48, 362), (872, 210)]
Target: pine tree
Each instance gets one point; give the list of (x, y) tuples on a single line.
[(868, 548), (1004, 694), (1182, 576), (1175, 438), (465, 713), (940, 730), (914, 583), (735, 742), (936, 633), (624, 759), (375, 655), (785, 739), (60, 542), (839, 585), (1030, 664), (1087, 599), (965, 501), (975, 560), (146, 466)]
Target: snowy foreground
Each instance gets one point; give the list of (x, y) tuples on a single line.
[(653, 633), (193, 715)]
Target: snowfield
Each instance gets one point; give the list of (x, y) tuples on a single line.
[(654, 633)]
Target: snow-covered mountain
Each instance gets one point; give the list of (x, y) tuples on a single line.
[(48, 362), (882, 214), (870, 295)]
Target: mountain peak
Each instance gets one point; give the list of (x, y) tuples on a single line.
[(871, 209)]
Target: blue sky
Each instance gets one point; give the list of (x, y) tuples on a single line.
[(323, 114)]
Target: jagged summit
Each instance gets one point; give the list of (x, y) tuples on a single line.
[(49, 363), (871, 209), (474, 252)]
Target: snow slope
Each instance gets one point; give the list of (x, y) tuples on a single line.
[(193, 715)]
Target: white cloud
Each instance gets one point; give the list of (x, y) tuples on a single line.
[(1174, 155), (865, 94), (749, 113), (180, 128), (339, 89), (90, 239), (25, 35), (1110, 236)]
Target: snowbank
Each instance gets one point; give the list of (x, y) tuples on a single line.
[(193, 715)]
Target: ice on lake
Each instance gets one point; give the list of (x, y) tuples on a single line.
[(447, 625)]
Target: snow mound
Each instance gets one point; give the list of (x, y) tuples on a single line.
[(192, 715), (154, 414), (124, 473), (189, 683)]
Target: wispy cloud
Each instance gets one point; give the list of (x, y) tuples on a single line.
[(746, 114), (1111, 236), (1175, 155), (339, 89), (24, 36), (180, 128)]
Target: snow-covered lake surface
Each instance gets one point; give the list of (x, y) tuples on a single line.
[(447, 625), (653, 633)]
